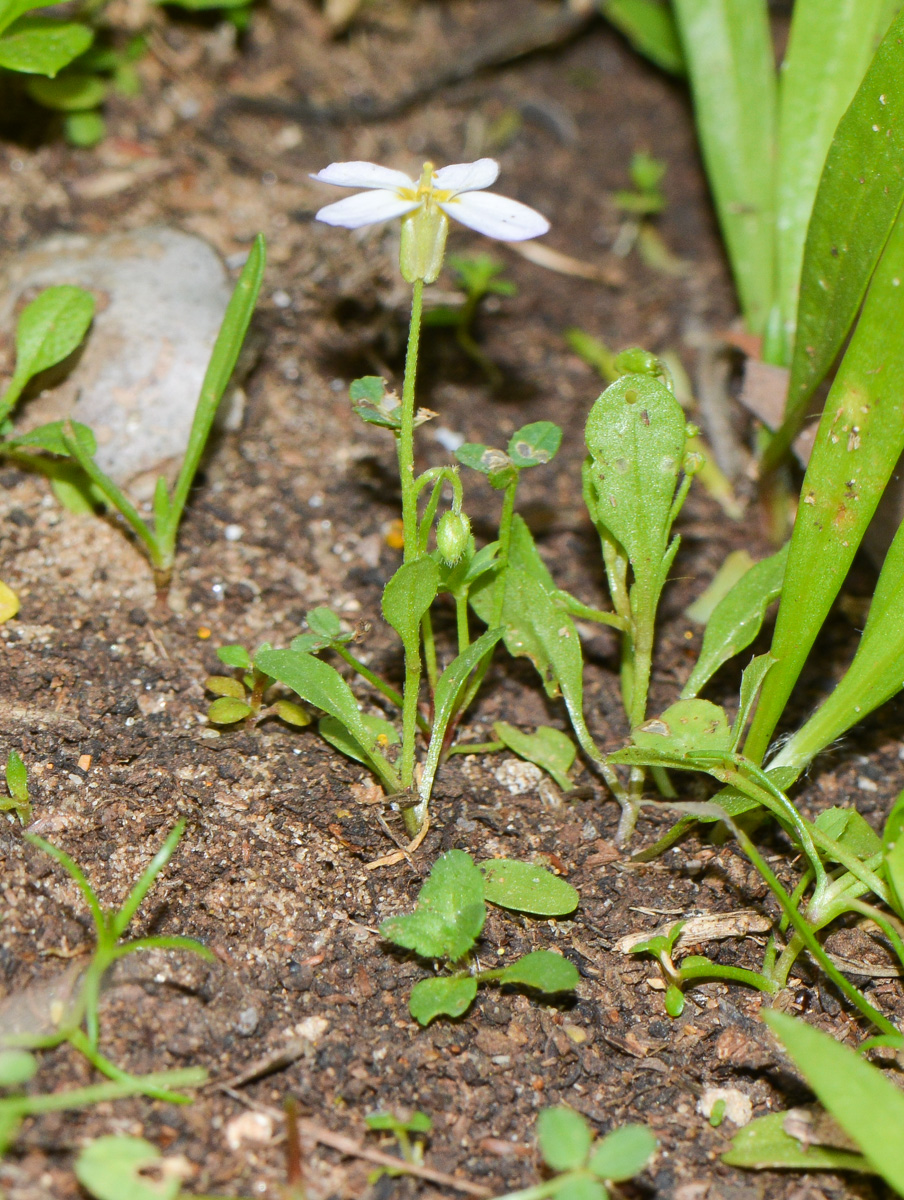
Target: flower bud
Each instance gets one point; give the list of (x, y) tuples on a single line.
[(423, 244), (452, 535)]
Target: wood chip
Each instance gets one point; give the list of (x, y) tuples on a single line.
[(709, 927)]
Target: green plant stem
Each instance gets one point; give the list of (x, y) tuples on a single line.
[(406, 427), (381, 685), (461, 622), (708, 970), (475, 748), (97, 1093)]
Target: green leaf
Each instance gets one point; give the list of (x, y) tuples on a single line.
[(535, 444), (111, 1168), (623, 1153), (73, 92), (293, 714), (636, 436), (11, 10), (450, 911), (860, 438), (41, 46), (855, 209), (829, 48), (495, 464), (544, 971), (49, 329), (225, 685), (407, 597), (686, 727), (730, 60), (370, 387), (850, 830), (84, 129), (893, 843), (16, 1068), (227, 710), (549, 748), (527, 888), (326, 624), (865, 1104), (764, 1145), (734, 566), (737, 619), (650, 28), (337, 735), (751, 682), (50, 437), (17, 777), (443, 997), (235, 656), (580, 1187), (564, 1137), (322, 686)]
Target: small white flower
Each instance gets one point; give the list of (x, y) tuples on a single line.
[(456, 190)]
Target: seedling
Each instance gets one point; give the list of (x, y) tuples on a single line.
[(110, 927), (449, 918), (478, 276), (583, 1165), (243, 696), (17, 785), (409, 1132), (119, 1166)]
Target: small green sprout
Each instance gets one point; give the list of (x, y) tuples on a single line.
[(646, 198), (585, 1166), (110, 927), (410, 1134), (17, 784), (242, 697), (449, 918)]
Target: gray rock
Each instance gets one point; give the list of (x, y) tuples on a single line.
[(161, 295)]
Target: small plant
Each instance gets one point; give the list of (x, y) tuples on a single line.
[(583, 1165), (119, 1167), (866, 1106), (110, 928), (478, 276), (242, 697), (17, 786), (410, 1134), (449, 918)]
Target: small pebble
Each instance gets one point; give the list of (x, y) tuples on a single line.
[(247, 1022), (233, 533)]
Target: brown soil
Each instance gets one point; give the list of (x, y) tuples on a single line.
[(273, 871)]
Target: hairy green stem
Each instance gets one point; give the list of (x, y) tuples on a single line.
[(406, 427)]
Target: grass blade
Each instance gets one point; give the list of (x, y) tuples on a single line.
[(728, 51)]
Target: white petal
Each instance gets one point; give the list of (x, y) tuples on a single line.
[(496, 216), (467, 177), (366, 208), (363, 175)]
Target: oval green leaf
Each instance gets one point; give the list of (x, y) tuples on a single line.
[(443, 997), (564, 1138), (527, 888), (623, 1153), (544, 971)]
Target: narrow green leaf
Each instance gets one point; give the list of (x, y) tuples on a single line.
[(321, 685), (544, 971), (686, 727), (734, 566), (730, 60), (650, 28), (42, 46), (623, 1153), (564, 1138), (549, 748), (751, 682), (17, 777), (737, 619), (528, 888), (855, 209), (829, 48), (450, 911), (407, 597), (113, 1167), (868, 1107), (764, 1145), (443, 997), (860, 438), (875, 675)]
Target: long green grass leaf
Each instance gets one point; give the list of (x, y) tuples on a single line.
[(728, 51), (860, 439), (856, 206)]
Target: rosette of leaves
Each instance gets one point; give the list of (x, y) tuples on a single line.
[(449, 918), (243, 695)]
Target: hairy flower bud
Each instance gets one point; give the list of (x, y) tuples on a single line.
[(452, 535)]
